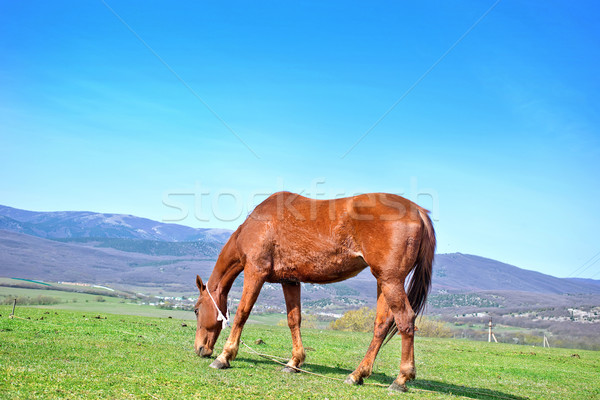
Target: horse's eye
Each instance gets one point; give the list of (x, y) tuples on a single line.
[(196, 311)]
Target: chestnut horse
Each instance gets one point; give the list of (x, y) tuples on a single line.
[(290, 239)]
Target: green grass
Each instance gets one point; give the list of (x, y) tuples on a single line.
[(88, 303), (69, 355), (114, 305)]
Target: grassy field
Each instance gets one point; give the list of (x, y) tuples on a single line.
[(88, 303), (72, 354)]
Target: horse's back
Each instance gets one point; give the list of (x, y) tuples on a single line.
[(296, 238), (299, 210)]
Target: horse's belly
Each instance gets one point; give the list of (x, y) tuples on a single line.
[(317, 268)]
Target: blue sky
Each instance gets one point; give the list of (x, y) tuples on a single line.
[(500, 139)]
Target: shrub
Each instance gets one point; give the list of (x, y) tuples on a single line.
[(428, 327), (31, 301), (360, 320)]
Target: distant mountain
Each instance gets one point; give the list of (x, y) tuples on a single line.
[(9, 224), (468, 273), (25, 256), (583, 281), (205, 249), (85, 224), (104, 248)]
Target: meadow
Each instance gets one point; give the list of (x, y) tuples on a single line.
[(56, 353), (89, 303)]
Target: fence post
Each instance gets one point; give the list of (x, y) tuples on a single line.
[(12, 314)]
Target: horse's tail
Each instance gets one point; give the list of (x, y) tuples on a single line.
[(420, 282)]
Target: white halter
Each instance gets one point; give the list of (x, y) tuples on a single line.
[(223, 318)]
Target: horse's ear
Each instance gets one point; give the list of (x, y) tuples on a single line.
[(199, 283)]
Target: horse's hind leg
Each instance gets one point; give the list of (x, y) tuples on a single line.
[(383, 322), (404, 317), (252, 286), (391, 275), (291, 292)]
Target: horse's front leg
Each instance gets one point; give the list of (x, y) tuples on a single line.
[(291, 292), (383, 322), (252, 286)]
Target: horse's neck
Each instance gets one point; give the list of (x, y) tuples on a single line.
[(222, 277)]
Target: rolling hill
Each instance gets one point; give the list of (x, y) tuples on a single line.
[(25, 256), (124, 249)]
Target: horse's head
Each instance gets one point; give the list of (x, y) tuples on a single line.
[(208, 327)]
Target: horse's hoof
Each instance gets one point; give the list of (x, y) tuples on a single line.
[(217, 364), (350, 380), (398, 388), (289, 370)]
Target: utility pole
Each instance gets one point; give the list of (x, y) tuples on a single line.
[(12, 314), (490, 333), (546, 343)]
